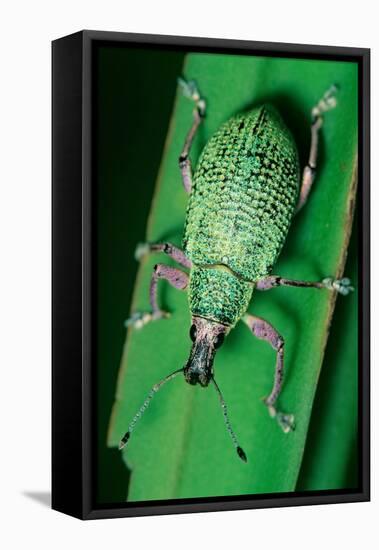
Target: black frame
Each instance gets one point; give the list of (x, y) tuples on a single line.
[(73, 276)]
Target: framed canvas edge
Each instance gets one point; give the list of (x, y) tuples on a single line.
[(89, 509), (66, 473)]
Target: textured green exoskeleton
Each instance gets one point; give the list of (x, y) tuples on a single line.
[(242, 198), (244, 194)]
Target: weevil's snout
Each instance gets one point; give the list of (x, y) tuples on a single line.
[(206, 336), (199, 368), (194, 378)]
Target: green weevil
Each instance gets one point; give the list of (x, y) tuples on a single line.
[(242, 198)]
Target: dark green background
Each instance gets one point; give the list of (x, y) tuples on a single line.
[(135, 93)]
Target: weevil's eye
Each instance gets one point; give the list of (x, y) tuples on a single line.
[(219, 340), (193, 333)]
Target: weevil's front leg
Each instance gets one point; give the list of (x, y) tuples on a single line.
[(263, 330), (178, 279), (168, 248), (343, 286), (190, 90), (327, 102)]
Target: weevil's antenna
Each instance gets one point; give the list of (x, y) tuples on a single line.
[(239, 449), (145, 405)]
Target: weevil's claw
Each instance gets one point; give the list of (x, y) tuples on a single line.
[(139, 319), (342, 286), (190, 90), (330, 97), (141, 250), (327, 102), (285, 421)]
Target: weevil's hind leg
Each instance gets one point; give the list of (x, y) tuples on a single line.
[(327, 102), (342, 286), (263, 330), (178, 279), (171, 250), (190, 90)]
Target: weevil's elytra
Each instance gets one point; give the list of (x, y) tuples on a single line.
[(244, 193), (242, 198)]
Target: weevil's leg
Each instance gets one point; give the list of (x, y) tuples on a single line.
[(168, 248), (263, 330), (343, 286), (190, 90), (178, 279), (327, 102)]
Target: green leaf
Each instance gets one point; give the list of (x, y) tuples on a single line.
[(180, 448), (331, 453)]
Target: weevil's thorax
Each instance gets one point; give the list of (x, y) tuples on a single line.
[(218, 295), (244, 193)]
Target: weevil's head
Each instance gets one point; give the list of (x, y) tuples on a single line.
[(207, 336)]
